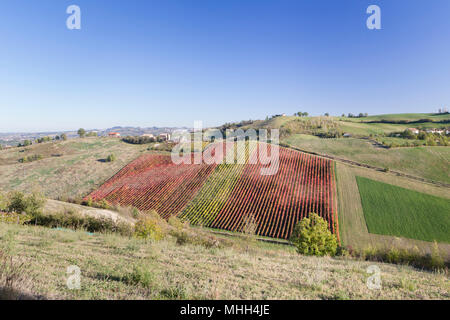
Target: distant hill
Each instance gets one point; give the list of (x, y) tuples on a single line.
[(13, 138)]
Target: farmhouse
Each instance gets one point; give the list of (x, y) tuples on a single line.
[(114, 134), (164, 136), (413, 130), (435, 131)]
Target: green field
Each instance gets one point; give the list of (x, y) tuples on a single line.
[(431, 163), (401, 117), (391, 210)]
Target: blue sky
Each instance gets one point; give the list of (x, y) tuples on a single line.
[(168, 63)]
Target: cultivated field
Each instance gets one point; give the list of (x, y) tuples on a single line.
[(353, 227), (225, 196), (395, 211)]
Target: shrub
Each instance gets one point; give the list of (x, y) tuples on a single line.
[(176, 223), (148, 228), (32, 158), (19, 203), (436, 260), (111, 158), (15, 218), (76, 221), (135, 213), (139, 140), (311, 236), (3, 203), (12, 281), (141, 275)]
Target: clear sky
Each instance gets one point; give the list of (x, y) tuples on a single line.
[(170, 62)]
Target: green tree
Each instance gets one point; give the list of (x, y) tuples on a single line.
[(81, 132), (111, 158), (3, 203), (311, 236), (63, 137), (17, 202)]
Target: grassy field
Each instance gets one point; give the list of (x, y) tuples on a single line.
[(401, 117), (69, 168), (427, 162), (352, 223), (114, 267), (396, 211)]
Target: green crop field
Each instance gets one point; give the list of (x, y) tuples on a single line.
[(392, 210)]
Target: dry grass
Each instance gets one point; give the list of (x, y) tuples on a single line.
[(69, 169), (113, 267)]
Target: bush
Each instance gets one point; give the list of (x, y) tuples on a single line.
[(176, 223), (76, 221), (3, 203), (15, 218), (312, 237), (141, 275), (111, 158), (19, 203), (32, 158), (139, 140), (149, 227), (412, 257), (436, 260)]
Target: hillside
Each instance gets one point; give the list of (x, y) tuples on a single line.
[(115, 267), (365, 144), (69, 169), (75, 168), (223, 196), (431, 163)]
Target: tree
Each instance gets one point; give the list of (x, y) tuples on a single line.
[(111, 158), (311, 236), (81, 132), (63, 137), (327, 114)]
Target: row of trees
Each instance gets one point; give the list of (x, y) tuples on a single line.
[(360, 115), (82, 133), (28, 142)]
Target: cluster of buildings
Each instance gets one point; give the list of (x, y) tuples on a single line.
[(161, 137), (433, 131)]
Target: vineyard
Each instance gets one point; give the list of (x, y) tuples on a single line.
[(224, 196)]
